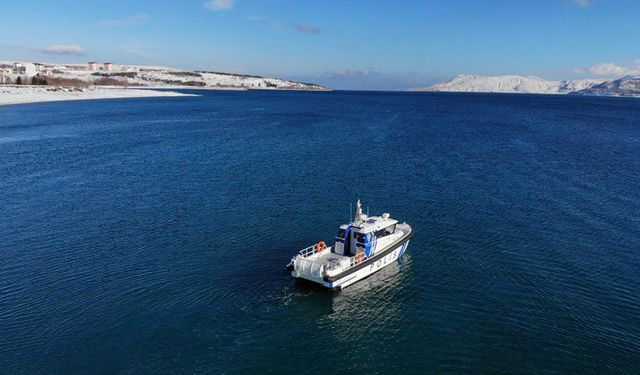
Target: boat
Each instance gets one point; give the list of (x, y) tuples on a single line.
[(361, 248)]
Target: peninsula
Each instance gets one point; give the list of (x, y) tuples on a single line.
[(28, 82)]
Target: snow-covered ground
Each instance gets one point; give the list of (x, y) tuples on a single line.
[(153, 76), (216, 80), (77, 81), (33, 94), (91, 78), (509, 84)]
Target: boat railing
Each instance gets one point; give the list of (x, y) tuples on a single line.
[(308, 251), (355, 260)]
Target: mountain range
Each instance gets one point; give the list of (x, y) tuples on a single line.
[(626, 86)]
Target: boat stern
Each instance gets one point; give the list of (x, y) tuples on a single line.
[(317, 266)]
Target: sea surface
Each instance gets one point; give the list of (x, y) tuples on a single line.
[(150, 236)]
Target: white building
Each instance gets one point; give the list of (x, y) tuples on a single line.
[(27, 69)]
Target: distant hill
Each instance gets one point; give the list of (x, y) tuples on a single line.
[(626, 86), (141, 76), (174, 78), (508, 84)]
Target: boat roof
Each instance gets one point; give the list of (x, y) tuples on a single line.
[(368, 224)]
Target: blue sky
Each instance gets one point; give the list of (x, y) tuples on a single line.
[(376, 44)]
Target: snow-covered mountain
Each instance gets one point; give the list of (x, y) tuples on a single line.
[(509, 84), (626, 86)]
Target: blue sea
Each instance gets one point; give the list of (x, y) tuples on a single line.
[(150, 236)]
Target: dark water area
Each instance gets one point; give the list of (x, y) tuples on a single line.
[(147, 236)]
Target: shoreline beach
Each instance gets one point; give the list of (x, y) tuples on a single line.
[(17, 94)]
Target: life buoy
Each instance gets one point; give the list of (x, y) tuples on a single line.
[(320, 247)]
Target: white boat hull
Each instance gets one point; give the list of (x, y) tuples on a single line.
[(369, 267)]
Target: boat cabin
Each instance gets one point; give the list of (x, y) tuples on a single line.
[(362, 234)]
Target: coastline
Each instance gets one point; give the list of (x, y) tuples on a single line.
[(18, 94), (25, 94)]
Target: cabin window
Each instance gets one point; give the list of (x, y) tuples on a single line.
[(341, 233), (386, 231), (359, 237)]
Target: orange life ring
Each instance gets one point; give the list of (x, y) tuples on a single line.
[(359, 257), (321, 246)]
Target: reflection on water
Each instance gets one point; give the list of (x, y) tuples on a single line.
[(371, 303)]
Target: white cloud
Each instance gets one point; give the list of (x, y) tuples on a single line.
[(611, 69), (306, 28), (218, 5), (348, 73), (135, 19), (363, 78), (63, 49)]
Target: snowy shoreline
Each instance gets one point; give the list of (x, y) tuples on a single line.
[(15, 94)]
